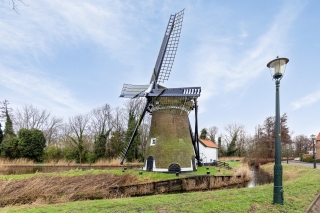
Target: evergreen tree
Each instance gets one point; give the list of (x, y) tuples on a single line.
[(133, 153), (232, 146), (31, 144), (203, 134), (8, 130), (100, 145), (8, 145), (6, 113), (116, 143), (10, 149), (1, 134), (220, 153)]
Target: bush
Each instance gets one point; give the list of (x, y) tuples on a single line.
[(31, 144), (9, 148), (308, 159), (70, 153), (90, 157), (52, 153)]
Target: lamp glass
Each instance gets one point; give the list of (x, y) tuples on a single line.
[(277, 67), (313, 137)]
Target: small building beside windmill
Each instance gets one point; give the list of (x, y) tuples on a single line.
[(208, 151)]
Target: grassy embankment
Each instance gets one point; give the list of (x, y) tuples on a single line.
[(144, 175), (300, 186)]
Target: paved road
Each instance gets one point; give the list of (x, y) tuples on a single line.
[(301, 163)]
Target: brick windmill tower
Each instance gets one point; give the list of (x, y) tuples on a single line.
[(172, 146)]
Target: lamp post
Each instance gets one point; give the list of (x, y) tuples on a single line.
[(314, 153), (277, 68), (287, 146)]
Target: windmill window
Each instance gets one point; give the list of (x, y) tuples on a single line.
[(153, 142)]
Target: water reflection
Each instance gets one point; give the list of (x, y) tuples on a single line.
[(259, 177)]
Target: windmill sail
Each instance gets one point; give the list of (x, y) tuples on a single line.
[(168, 49)]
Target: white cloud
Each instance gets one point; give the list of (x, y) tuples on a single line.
[(306, 101), (222, 68), (45, 26), (40, 89)]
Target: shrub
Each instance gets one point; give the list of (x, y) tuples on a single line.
[(70, 153), (31, 144), (53, 153), (308, 159), (9, 148)]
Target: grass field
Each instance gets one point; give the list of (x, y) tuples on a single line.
[(300, 186)]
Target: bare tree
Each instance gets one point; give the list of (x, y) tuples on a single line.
[(101, 120), (134, 106), (53, 130), (267, 135), (235, 133), (232, 130), (116, 144), (5, 110), (77, 130), (212, 132), (302, 143), (15, 3), (30, 117), (144, 132)]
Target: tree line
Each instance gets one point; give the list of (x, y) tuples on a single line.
[(102, 133), (236, 141)]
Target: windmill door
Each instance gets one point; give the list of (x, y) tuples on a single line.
[(150, 163)]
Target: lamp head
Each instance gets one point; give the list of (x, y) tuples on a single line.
[(277, 67)]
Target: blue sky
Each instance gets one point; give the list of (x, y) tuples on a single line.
[(72, 56)]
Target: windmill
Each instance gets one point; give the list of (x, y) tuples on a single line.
[(172, 146)]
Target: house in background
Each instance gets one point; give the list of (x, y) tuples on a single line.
[(208, 151), (318, 147)]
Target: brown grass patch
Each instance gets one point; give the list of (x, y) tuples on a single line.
[(243, 172), (240, 159), (56, 189), (18, 161)]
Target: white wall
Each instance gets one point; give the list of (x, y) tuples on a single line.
[(210, 153)]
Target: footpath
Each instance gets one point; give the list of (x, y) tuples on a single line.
[(315, 205)]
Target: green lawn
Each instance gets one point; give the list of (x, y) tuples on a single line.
[(300, 186)]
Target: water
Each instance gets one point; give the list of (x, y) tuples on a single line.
[(259, 177)]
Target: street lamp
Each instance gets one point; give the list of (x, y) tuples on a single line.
[(314, 154), (277, 68), (287, 152)]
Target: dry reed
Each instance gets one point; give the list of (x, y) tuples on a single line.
[(243, 172), (56, 189), (18, 161), (60, 162), (240, 159)]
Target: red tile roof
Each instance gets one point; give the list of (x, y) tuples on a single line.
[(318, 138), (208, 143)]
